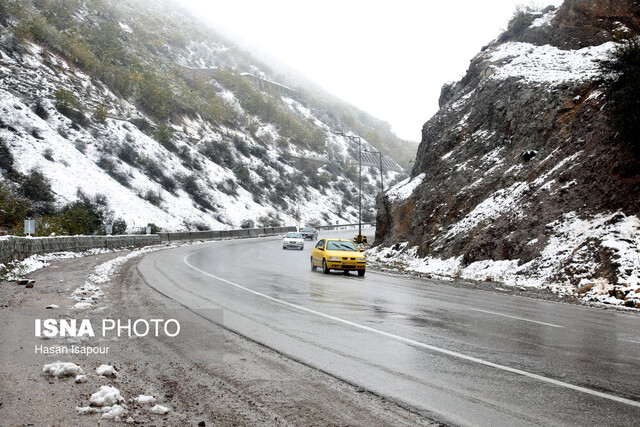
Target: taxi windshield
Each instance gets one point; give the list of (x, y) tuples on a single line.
[(340, 246)]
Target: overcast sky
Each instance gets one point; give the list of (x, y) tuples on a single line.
[(389, 58)]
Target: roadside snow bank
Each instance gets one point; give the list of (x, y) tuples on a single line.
[(19, 269), (89, 293)]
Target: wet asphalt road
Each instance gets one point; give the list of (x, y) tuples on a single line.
[(466, 357)]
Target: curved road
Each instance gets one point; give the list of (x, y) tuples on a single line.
[(467, 357)]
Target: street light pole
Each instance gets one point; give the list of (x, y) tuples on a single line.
[(359, 141)]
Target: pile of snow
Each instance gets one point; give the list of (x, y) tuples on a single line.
[(106, 371), (569, 243), (62, 369), (115, 412), (142, 399), (159, 410), (106, 396), (81, 379)]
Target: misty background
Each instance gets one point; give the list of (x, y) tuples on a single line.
[(387, 58)]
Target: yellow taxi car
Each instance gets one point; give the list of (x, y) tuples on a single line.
[(337, 254)]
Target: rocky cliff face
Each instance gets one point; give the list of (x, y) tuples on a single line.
[(520, 176)]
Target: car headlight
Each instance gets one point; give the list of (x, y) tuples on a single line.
[(334, 258)]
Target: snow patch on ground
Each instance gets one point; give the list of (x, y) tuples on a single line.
[(115, 412), (159, 410), (20, 269), (106, 371), (106, 396), (62, 369), (89, 293), (143, 400)]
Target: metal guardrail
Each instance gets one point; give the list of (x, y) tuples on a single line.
[(16, 248), (243, 233), (339, 226)]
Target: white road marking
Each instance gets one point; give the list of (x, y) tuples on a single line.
[(514, 317), (421, 344)]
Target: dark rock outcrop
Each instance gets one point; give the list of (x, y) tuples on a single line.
[(522, 143)]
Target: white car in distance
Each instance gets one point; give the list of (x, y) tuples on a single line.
[(293, 240)]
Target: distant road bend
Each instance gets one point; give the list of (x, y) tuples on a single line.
[(459, 356)]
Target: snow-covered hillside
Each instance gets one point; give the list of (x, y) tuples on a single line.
[(200, 173)]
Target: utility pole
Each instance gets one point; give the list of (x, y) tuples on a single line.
[(359, 141)]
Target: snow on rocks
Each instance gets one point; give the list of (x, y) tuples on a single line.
[(106, 396), (159, 410), (404, 189), (62, 369), (547, 64), (106, 371), (572, 240), (493, 206)]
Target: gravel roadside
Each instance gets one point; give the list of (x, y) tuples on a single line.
[(247, 384)]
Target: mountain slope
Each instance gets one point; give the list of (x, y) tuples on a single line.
[(138, 108), (521, 176)]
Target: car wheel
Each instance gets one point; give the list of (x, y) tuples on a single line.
[(313, 267), (284, 247), (325, 269), (360, 273), (302, 248)]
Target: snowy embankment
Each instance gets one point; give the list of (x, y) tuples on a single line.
[(91, 291), (567, 248)]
